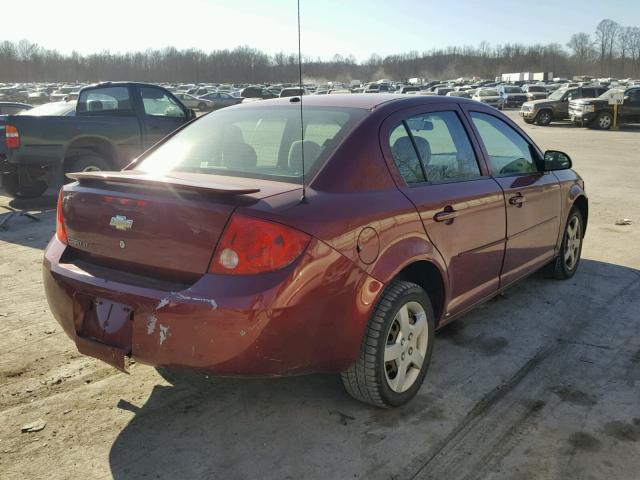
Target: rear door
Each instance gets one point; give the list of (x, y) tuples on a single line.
[(630, 110), (161, 114), (532, 197), (462, 208)]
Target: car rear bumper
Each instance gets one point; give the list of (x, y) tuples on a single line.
[(308, 317)]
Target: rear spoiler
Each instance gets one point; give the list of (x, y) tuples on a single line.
[(183, 181)]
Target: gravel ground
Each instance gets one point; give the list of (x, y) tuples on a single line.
[(541, 382)]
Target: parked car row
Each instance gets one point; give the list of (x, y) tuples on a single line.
[(585, 106)]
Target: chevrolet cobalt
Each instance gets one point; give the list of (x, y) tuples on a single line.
[(247, 244)]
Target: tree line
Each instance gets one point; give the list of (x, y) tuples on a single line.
[(612, 50)]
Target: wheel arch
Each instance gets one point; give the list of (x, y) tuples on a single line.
[(582, 204), (97, 145), (429, 276)]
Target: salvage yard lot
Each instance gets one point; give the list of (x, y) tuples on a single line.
[(541, 382)]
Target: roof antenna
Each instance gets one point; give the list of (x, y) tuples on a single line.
[(303, 199)]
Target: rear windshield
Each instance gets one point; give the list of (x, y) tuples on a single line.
[(256, 142)]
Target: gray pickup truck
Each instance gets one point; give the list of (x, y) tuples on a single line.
[(114, 123), (556, 106)]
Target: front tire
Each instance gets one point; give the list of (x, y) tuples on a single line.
[(396, 348), (202, 106), (566, 263), (544, 118), (603, 121)]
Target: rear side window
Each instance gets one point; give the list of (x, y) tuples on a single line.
[(157, 103), (104, 100), (443, 147), (405, 156), (451, 156), (508, 152), (255, 142)]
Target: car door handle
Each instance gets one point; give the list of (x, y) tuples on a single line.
[(447, 215), (517, 200)]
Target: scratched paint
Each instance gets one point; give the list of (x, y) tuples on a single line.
[(151, 324), (162, 303), (209, 301), (164, 333)]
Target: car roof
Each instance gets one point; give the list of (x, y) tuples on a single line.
[(364, 101)]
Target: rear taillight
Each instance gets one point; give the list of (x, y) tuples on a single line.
[(250, 245), (61, 231), (12, 137)]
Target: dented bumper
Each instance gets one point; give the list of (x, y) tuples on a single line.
[(263, 325)]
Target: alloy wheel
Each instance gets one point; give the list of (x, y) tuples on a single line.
[(545, 117), (604, 121), (406, 347), (574, 238)]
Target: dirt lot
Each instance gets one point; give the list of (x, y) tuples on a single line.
[(542, 382)]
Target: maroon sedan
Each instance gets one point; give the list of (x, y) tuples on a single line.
[(207, 254)]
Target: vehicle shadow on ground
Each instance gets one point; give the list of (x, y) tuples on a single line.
[(308, 426), (28, 222)]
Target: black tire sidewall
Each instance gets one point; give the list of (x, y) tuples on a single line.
[(390, 397), (539, 120), (11, 186), (202, 106)]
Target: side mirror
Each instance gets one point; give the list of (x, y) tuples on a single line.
[(191, 114), (554, 160)]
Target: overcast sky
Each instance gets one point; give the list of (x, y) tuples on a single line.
[(328, 26)]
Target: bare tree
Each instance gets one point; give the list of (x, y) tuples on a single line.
[(624, 41), (616, 50), (606, 34), (582, 47)]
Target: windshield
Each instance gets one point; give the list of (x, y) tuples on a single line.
[(512, 89), (488, 93), (256, 142), (51, 109), (557, 95), (607, 94)]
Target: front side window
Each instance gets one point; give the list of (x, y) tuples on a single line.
[(159, 104), (101, 100), (509, 153)]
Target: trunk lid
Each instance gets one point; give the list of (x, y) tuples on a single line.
[(163, 226)]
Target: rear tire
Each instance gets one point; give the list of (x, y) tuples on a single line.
[(565, 265), (87, 163), (11, 185), (544, 118), (396, 348)]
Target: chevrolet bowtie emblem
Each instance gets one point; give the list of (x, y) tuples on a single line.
[(121, 222)]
